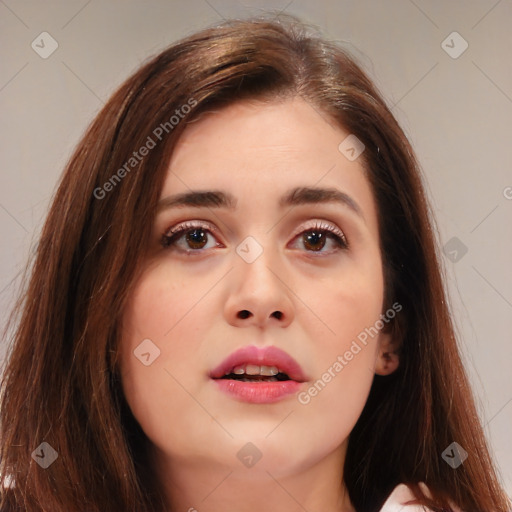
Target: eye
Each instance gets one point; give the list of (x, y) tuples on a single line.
[(318, 236), (189, 237), (194, 237)]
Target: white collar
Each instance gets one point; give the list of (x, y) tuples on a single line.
[(397, 500)]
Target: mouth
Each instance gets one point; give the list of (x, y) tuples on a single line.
[(258, 375)]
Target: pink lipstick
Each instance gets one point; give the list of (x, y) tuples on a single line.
[(259, 375)]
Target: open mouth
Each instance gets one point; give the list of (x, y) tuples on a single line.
[(258, 375), (255, 373)]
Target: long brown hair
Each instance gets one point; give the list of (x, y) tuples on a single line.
[(61, 382)]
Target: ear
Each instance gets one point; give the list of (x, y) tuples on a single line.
[(388, 359)]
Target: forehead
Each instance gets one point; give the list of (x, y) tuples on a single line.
[(276, 130), (258, 151)]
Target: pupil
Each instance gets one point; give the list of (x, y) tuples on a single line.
[(314, 238), (196, 238)]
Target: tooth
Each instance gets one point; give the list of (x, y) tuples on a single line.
[(252, 369), (269, 371)]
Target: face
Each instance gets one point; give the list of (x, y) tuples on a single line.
[(272, 269)]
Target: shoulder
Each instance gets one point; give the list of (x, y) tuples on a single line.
[(398, 500)]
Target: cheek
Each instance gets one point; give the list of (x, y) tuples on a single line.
[(346, 345), (163, 304), (158, 345), (349, 303), (153, 308)]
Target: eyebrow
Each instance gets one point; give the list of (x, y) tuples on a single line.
[(294, 197)]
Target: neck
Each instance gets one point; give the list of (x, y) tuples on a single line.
[(206, 486)]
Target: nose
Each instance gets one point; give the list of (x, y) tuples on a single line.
[(258, 296)]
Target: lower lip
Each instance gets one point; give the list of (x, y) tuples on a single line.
[(258, 392)]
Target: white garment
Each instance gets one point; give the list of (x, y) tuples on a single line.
[(397, 499)]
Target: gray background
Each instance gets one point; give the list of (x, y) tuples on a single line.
[(456, 111)]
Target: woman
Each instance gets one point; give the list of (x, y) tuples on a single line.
[(237, 304)]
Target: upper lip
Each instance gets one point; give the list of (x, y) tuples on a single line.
[(265, 356)]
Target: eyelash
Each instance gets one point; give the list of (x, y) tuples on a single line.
[(171, 236)]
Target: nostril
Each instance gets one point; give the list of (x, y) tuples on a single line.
[(244, 313)]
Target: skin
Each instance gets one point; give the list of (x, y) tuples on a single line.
[(188, 304)]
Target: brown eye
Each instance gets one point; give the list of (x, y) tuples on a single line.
[(314, 240), (188, 238), (321, 235), (196, 238)]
